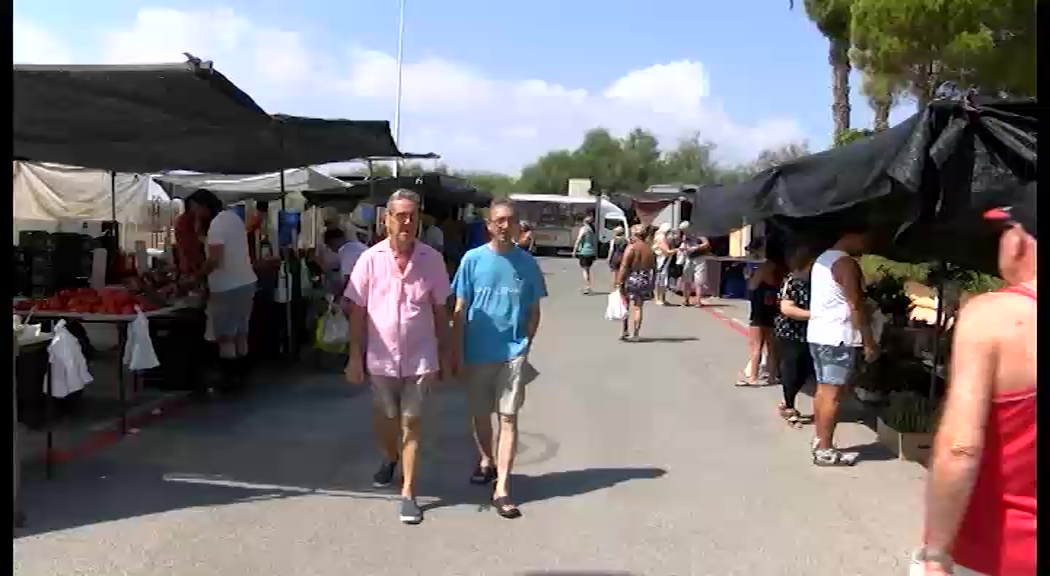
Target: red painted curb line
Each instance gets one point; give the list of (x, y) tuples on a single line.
[(726, 320), (111, 434)]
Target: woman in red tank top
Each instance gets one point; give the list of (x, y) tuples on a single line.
[(981, 497)]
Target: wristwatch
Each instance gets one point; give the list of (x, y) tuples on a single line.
[(925, 555)]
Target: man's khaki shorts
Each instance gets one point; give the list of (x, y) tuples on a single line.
[(498, 387)]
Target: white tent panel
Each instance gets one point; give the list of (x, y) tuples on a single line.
[(56, 193)]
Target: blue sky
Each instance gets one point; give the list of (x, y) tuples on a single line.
[(489, 85)]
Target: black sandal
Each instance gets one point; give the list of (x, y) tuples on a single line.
[(483, 475), (505, 508)]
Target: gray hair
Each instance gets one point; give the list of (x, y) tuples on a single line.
[(404, 194), (504, 203)]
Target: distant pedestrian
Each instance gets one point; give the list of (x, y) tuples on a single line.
[(398, 329), (525, 239), (981, 500), (789, 329), (498, 290), (636, 280), (665, 254), (691, 255), (616, 249), (585, 249), (839, 330), (763, 288)]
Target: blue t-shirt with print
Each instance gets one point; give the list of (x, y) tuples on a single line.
[(498, 290)]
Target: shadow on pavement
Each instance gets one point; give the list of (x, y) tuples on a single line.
[(575, 482), (288, 437), (525, 489), (871, 452), (580, 573), (672, 339)]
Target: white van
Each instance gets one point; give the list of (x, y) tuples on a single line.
[(555, 219)]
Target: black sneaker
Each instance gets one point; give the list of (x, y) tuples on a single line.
[(410, 512), (385, 475)]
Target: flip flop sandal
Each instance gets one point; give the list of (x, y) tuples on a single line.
[(505, 508), (483, 475), (742, 382)]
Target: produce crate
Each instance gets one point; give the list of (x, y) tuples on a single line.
[(913, 447)]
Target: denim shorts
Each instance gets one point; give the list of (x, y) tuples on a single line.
[(834, 364)]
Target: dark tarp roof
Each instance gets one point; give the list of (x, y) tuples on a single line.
[(921, 184), (664, 192), (434, 188), (136, 119), (153, 118)]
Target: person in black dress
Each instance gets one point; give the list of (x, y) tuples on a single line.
[(789, 329), (763, 290)]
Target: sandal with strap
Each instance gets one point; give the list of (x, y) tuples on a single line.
[(483, 475), (505, 508)]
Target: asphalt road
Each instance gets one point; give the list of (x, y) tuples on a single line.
[(636, 458)]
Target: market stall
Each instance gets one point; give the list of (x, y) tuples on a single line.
[(920, 189)]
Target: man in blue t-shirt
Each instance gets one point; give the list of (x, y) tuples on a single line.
[(498, 289)]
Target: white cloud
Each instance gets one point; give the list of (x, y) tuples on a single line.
[(474, 120)]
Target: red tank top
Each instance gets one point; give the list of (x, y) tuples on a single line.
[(997, 535)]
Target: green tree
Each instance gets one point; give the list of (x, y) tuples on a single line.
[(601, 158), (883, 92), (989, 44), (499, 185), (549, 174), (832, 18), (771, 157), (690, 162)]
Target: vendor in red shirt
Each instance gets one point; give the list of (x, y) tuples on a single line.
[(189, 227)]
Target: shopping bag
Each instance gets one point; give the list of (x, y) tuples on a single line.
[(333, 329), (138, 352), (615, 309)]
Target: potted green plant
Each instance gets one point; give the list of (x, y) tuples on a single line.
[(890, 295), (906, 424)]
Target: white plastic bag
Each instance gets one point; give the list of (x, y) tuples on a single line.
[(335, 328), (616, 309), (138, 352), (69, 371)]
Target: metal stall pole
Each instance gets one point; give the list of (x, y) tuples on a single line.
[(372, 196), (121, 326), (938, 328), (287, 288)]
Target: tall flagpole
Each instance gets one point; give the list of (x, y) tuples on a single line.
[(400, 59)]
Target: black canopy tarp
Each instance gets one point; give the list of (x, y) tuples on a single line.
[(131, 118), (187, 116), (433, 187), (920, 184)]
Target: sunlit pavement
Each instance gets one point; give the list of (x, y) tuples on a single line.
[(636, 458)]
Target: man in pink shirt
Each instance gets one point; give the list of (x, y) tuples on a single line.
[(398, 329)]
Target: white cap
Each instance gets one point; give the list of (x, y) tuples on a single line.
[(683, 225)]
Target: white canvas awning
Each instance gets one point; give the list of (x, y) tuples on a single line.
[(45, 192), (232, 189)]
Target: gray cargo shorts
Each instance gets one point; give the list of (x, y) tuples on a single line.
[(498, 387)]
